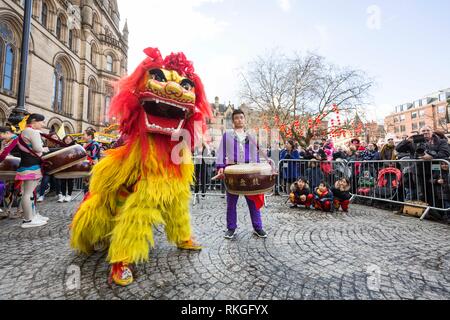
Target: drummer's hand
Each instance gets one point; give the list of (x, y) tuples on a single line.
[(46, 150), (220, 172)]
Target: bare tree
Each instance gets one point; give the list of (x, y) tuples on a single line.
[(278, 85), (302, 87), (346, 88)]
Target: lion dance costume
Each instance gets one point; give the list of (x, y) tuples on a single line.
[(138, 185)]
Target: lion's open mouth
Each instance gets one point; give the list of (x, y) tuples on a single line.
[(164, 117)]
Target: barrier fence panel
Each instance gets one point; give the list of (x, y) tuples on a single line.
[(78, 188), (205, 170), (423, 184)]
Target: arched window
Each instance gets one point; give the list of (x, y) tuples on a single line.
[(71, 39), (91, 101), (96, 22), (59, 28), (8, 68), (58, 88), (54, 128), (109, 63), (7, 57), (93, 54), (107, 104), (44, 14), (108, 97)]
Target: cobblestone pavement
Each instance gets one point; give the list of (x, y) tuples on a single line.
[(366, 254)]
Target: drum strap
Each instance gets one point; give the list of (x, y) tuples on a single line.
[(8, 149), (264, 154), (44, 163)]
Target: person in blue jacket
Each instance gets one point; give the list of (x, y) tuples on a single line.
[(290, 168)]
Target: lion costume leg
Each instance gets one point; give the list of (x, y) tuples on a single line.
[(178, 225), (92, 223)]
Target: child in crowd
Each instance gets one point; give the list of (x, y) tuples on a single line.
[(323, 198), (365, 183), (301, 194), (341, 193)]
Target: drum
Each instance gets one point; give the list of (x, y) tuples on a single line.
[(250, 179), (80, 170), (63, 159), (8, 168)]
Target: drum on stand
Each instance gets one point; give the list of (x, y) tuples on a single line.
[(63, 159), (250, 179), (8, 168)]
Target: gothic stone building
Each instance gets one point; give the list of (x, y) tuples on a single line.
[(76, 54)]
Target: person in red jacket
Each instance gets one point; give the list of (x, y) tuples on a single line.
[(301, 194), (323, 198)]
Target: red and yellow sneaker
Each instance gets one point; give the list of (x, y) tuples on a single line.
[(189, 245), (121, 274)]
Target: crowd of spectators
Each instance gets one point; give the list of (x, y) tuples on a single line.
[(374, 170)]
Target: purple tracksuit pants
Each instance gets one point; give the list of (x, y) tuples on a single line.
[(255, 214)]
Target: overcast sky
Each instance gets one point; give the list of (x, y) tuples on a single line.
[(403, 44)]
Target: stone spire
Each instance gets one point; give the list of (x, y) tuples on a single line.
[(125, 32)]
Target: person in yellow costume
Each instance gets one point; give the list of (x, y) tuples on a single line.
[(143, 183)]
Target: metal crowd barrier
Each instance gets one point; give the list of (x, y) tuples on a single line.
[(412, 182), (205, 170), (417, 183)]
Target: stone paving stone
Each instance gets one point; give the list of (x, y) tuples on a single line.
[(308, 255)]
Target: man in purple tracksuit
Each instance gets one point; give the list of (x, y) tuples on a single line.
[(239, 147)]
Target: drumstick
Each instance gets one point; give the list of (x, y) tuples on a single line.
[(218, 177)]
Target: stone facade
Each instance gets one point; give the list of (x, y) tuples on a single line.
[(76, 54)]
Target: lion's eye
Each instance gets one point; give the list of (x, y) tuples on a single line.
[(158, 75), (187, 86)]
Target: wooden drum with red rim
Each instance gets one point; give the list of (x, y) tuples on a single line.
[(63, 159), (80, 170), (249, 179), (8, 168)]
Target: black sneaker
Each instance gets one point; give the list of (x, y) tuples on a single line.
[(294, 206), (260, 233), (230, 234)]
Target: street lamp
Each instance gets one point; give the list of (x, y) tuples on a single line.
[(19, 111)]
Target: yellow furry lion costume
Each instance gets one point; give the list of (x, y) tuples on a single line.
[(138, 185)]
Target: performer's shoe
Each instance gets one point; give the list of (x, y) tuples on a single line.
[(260, 233), (121, 274), (189, 245), (230, 234)]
